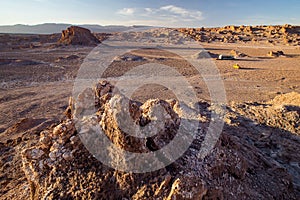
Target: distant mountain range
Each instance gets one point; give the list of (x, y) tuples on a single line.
[(49, 28)]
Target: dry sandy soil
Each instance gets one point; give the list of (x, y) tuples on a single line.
[(36, 80)]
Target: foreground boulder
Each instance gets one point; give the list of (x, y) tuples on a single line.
[(60, 167), (76, 35)]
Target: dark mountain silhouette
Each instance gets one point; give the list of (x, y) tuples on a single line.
[(49, 28)]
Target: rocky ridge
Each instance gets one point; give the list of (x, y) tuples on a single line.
[(284, 35)]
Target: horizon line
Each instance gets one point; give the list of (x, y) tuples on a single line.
[(94, 24)]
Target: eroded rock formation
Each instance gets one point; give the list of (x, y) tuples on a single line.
[(75, 35)]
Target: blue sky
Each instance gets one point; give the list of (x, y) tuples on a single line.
[(184, 13)]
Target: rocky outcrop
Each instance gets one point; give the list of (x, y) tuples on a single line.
[(273, 35), (275, 53), (238, 54), (60, 167), (75, 35)]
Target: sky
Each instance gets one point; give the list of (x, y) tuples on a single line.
[(176, 13)]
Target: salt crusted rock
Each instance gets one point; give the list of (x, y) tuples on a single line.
[(60, 167)]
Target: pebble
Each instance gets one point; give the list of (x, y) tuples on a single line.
[(35, 154), (68, 156)]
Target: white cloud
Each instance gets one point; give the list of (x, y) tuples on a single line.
[(168, 15), (126, 11), (180, 13), (175, 10), (149, 10)]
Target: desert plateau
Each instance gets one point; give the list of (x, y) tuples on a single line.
[(44, 154)]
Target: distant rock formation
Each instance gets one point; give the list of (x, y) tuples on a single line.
[(273, 35), (76, 35), (238, 54), (275, 53)]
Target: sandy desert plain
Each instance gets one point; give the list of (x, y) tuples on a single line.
[(256, 155)]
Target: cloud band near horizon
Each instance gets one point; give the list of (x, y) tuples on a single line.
[(165, 14)]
